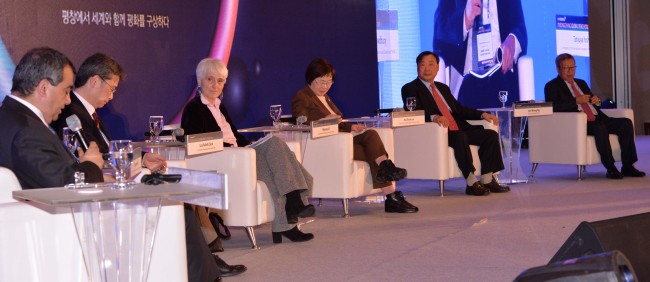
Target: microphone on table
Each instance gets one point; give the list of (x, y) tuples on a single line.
[(178, 133), (74, 124)]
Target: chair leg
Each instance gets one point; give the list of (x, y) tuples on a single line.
[(320, 202), (580, 168), (251, 235), (532, 171), (346, 208), (442, 188)]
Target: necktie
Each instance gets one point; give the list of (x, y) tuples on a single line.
[(97, 122), (443, 108), (585, 107)]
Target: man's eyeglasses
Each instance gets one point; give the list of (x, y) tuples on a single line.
[(113, 89), (568, 67)]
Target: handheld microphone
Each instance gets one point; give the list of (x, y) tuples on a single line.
[(178, 133), (75, 125)]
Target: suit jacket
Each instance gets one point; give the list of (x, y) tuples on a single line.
[(90, 132), (425, 101), (34, 153), (558, 92), (197, 118), (306, 103), (448, 41)]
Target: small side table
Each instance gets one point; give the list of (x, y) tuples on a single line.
[(511, 132)]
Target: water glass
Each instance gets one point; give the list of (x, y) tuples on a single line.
[(156, 124), (276, 112), (503, 97), (121, 155), (410, 103), (70, 140)]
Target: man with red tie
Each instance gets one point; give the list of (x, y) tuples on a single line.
[(441, 107), (569, 94)]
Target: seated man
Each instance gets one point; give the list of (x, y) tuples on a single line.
[(569, 94), (41, 88), (436, 100)]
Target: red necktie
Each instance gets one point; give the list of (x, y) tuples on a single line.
[(443, 108), (96, 119), (585, 107)]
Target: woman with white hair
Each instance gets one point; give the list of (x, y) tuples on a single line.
[(288, 182)]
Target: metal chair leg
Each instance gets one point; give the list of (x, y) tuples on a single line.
[(532, 171), (346, 208), (251, 236), (442, 188), (580, 172), (320, 202)]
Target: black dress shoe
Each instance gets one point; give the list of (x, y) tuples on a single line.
[(495, 187), (389, 172), (293, 214), (477, 189), (631, 171), (228, 270), (395, 202), (294, 234), (613, 174)]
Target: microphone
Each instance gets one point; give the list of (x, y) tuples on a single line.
[(75, 125), (178, 133)]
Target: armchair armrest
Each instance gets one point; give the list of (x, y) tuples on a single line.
[(423, 150), (620, 113), (330, 161)]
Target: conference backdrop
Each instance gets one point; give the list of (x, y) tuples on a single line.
[(266, 44)]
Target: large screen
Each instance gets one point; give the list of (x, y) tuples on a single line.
[(543, 30)]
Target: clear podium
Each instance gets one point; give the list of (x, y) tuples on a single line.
[(511, 132), (116, 228)]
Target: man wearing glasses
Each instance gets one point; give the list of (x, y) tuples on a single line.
[(569, 94), (95, 83)]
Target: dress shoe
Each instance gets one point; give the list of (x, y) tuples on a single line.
[(389, 172), (228, 270), (613, 174), (477, 189), (495, 187), (631, 171), (295, 235), (395, 202)]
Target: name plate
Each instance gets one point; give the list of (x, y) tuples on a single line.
[(136, 163), (399, 119), (533, 109), (203, 143), (325, 127)]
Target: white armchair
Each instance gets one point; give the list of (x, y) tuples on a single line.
[(561, 138), (330, 160), (424, 151), (39, 243), (249, 201)]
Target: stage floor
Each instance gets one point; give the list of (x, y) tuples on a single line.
[(455, 238)]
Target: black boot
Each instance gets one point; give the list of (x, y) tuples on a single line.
[(295, 208), (389, 172), (294, 234)]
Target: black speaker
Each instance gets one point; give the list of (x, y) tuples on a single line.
[(609, 266), (629, 234)]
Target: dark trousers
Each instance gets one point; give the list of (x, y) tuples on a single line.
[(201, 266), (368, 147), (489, 151), (621, 127)]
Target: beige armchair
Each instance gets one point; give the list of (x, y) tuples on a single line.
[(561, 138)]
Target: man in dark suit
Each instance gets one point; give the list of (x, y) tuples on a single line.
[(95, 83), (569, 94), (41, 87), (451, 114), (457, 23)]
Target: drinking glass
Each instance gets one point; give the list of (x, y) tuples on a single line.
[(410, 103), (121, 155), (70, 140), (156, 124), (276, 112), (503, 97)]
